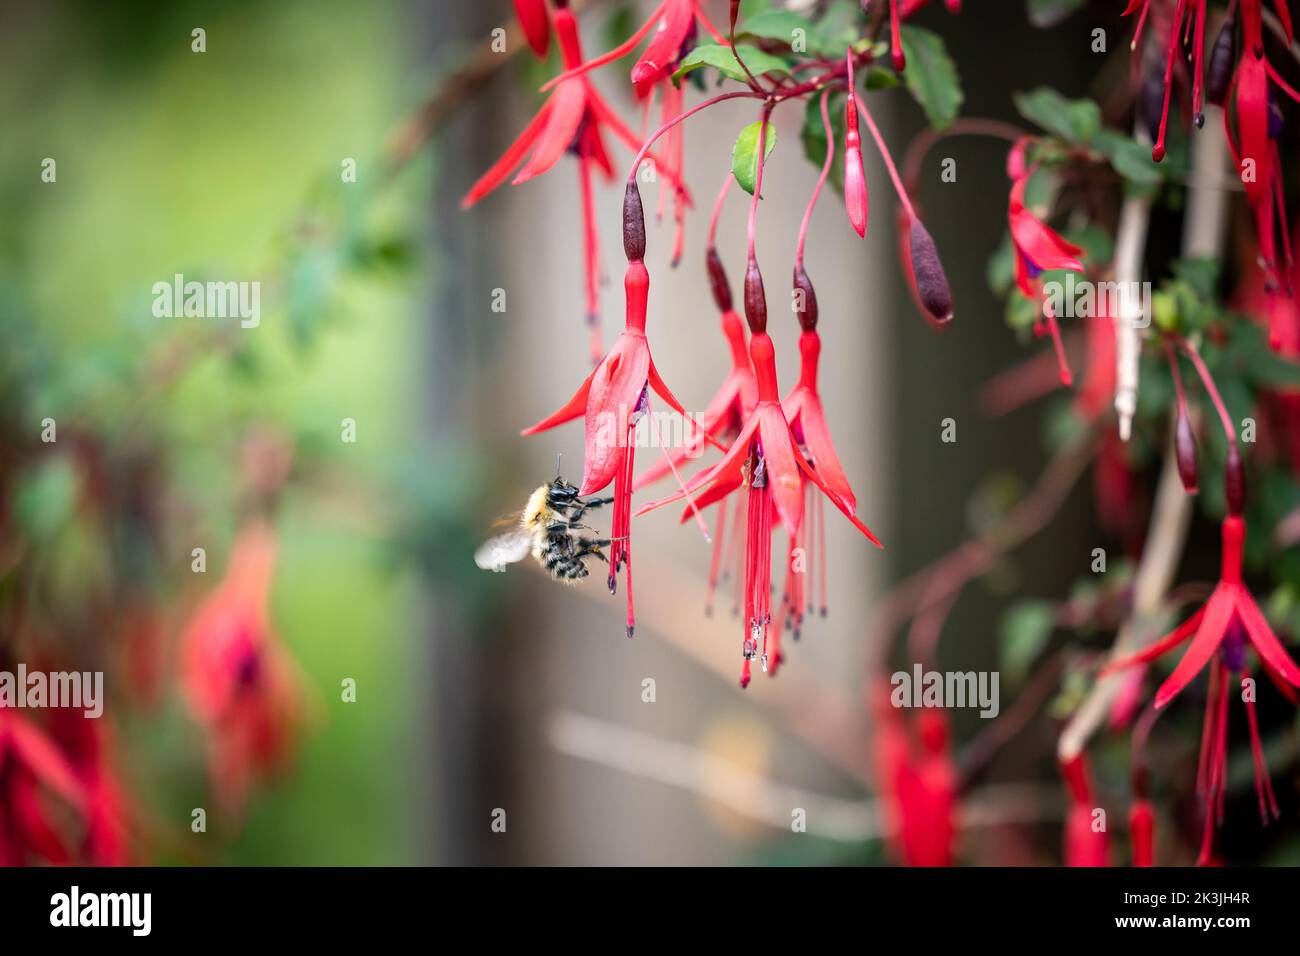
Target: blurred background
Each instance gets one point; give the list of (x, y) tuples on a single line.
[(474, 692)]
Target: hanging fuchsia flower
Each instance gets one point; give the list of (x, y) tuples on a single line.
[(676, 25), (1254, 149), (674, 22), (533, 20), (89, 748), (1195, 12), (571, 120), (1085, 843), (31, 770), (918, 783), (803, 411), (765, 457), (1221, 633), (1038, 248), (615, 397), (239, 682)]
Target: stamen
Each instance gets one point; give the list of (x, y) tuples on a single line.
[(1263, 783), (716, 560), (1158, 150)]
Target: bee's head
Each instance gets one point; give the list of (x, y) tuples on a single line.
[(561, 491)]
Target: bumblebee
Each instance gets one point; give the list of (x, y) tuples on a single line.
[(548, 528)]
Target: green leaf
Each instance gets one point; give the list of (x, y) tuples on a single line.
[(1201, 274), (45, 498), (1128, 157), (722, 59), (1096, 243), (1249, 350), (814, 136), (1025, 629), (779, 25), (1001, 269), (931, 75), (744, 155), (1048, 13), (881, 79), (1074, 120)]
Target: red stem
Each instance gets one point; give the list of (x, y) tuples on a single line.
[(889, 160), (1210, 388), (717, 210), (821, 180)]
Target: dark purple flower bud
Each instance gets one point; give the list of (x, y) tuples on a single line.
[(633, 224), (1151, 97), (1185, 452), (1234, 481), (718, 280), (1218, 75), (1275, 119), (755, 298), (805, 300), (927, 272)]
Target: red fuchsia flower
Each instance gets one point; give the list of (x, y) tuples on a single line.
[(615, 397), (1084, 844), (571, 120), (239, 682), (726, 412), (1038, 248), (32, 769), (1141, 815), (1277, 310), (533, 20), (806, 416), (1097, 390), (676, 24), (88, 745), (1227, 625), (918, 783), (765, 458), (1195, 12), (1221, 632), (1254, 149), (1141, 826)]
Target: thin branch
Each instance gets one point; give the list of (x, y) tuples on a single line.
[(763, 800)]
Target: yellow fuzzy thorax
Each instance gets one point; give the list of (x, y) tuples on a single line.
[(537, 513)]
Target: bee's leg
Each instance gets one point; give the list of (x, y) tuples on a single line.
[(581, 508), (592, 546)]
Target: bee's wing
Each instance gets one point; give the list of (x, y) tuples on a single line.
[(508, 519), (495, 553)]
